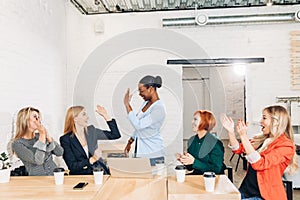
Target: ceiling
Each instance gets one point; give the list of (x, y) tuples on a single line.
[(90, 7)]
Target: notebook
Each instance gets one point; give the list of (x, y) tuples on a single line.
[(130, 167)]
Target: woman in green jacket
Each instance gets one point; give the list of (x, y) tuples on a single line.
[(205, 151)]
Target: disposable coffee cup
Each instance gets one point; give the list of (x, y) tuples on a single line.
[(98, 175), (180, 173), (160, 166), (59, 175), (209, 180)]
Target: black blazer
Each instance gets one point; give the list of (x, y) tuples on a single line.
[(74, 154)]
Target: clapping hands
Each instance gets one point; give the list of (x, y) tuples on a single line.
[(241, 127), (185, 158), (227, 123)]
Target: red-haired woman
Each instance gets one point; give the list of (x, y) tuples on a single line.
[(205, 151)]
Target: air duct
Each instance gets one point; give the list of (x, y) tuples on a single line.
[(203, 19)]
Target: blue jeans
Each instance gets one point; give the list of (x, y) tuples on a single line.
[(152, 160), (250, 198)]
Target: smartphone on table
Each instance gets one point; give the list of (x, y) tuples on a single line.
[(80, 185)]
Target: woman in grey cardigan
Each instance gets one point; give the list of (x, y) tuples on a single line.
[(33, 144)]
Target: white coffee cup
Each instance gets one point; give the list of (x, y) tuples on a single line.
[(209, 180), (180, 173), (59, 175), (98, 176)]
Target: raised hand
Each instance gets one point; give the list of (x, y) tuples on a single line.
[(227, 123), (241, 127), (127, 97), (102, 111)]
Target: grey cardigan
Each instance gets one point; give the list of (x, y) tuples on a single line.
[(36, 155)]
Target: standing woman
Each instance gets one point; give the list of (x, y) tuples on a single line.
[(147, 121), (33, 144), (205, 151), (80, 141), (268, 154)]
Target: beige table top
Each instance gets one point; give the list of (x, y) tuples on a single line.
[(43, 187), (193, 188), (133, 188)]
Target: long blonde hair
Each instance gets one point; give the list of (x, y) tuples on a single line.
[(69, 120), (22, 121), (280, 124)]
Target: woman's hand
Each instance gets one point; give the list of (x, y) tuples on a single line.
[(187, 159), (127, 149), (102, 111), (241, 127), (227, 123), (42, 131), (127, 97), (97, 154), (178, 156)]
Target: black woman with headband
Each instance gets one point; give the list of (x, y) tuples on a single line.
[(147, 121)]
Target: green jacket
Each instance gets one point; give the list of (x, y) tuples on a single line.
[(208, 152)]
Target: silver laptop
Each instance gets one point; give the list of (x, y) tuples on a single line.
[(130, 167)]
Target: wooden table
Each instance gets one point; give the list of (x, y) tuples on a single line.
[(134, 188), (193, 188), (43, 187)]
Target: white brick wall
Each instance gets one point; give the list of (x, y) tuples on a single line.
[(263, 82), (32, 60), (37, 71)]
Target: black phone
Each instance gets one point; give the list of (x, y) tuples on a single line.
[(80, 186)]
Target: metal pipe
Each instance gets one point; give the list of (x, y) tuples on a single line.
[(230, 19)]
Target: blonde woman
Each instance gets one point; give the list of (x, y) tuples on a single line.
[(33, 144), (80, 140), (268, 154)]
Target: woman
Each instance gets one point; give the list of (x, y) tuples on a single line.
[(268, 154), (205, 151), (79, 141), (147, 121), (33, 144)]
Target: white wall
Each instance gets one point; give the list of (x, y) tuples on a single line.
[(125, 44), (33, 62)]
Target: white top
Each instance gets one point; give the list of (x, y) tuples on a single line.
[(85, 148)]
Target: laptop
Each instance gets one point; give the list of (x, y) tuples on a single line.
[(130, 167)]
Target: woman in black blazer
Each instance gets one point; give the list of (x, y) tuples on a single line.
[(80, 140)]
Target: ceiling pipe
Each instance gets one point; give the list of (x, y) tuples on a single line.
[(203, 19)]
